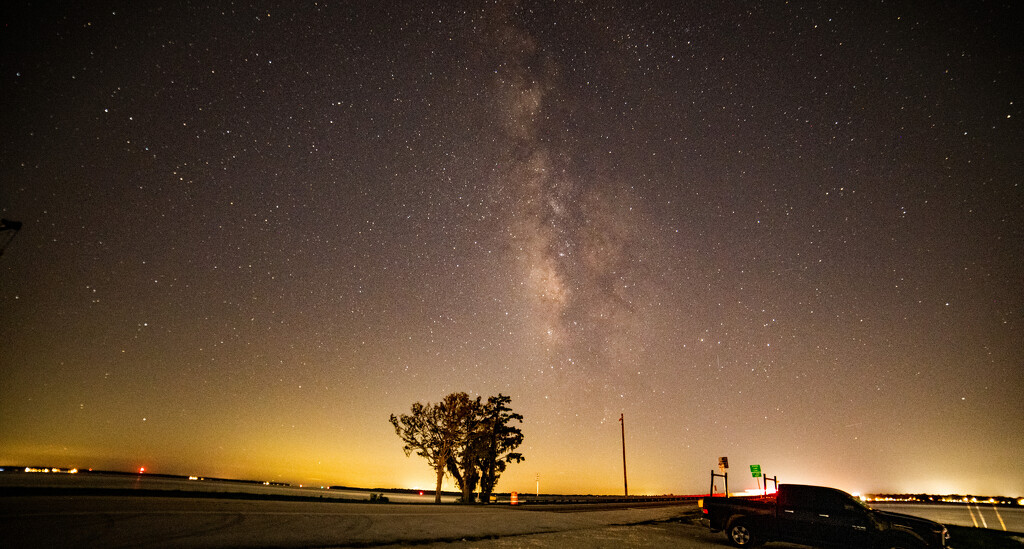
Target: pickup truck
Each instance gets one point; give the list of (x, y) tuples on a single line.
[(818, 516)]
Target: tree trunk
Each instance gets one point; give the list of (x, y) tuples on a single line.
[(472, 477), (440, 477)]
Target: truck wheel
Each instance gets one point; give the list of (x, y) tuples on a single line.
[(741, 535)]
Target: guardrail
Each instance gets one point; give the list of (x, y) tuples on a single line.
[(530, 499)]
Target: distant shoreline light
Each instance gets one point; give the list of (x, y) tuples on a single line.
[(880, 498), (942, 499)]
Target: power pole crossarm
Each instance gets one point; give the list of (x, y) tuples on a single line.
[(8, 225)]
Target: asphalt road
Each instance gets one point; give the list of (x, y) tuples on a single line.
[(108, 521), (120, 521), (976, 515)]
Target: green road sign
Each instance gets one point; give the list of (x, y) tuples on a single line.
[(755, 471)]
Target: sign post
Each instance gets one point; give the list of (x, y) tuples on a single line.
[(755, 471), (723, 464)]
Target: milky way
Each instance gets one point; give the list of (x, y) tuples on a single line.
[(577, 237)]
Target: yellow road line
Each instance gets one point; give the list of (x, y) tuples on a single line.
[(984, 523), (974, 520), (996, 509)]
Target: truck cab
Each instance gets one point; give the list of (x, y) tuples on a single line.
[(816, 514)]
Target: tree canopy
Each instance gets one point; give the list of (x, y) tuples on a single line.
[(465, 437)]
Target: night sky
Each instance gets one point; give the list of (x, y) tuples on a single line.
[(786, 233)]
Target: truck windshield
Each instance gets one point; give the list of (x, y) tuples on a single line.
[(857, 501)]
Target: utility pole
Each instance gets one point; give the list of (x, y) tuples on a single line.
[(625, 483)]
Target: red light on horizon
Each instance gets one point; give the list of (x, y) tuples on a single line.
[(142, 470)]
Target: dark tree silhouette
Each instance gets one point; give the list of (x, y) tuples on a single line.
[(489, 448), (436, 431), (462, 460), (470, 440), (499, 441)]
